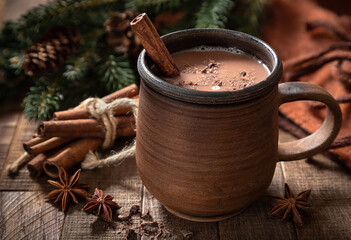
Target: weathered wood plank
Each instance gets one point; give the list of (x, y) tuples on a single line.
[(124, 184), (26, 215), (175, 224), (9, 117), (21, 181)]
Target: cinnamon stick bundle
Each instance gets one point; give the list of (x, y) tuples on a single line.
[(70, 155), (80, 113), (83, 128), (154, 46)]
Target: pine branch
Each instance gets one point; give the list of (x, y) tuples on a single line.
[(76, 68), (11, 37), (83, 14), (248, 16), (153, 5), (43, 98), (116, 72), (213, 13)]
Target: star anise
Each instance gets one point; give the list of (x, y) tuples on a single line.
[(69, 188), (290, 205), (101, 206)]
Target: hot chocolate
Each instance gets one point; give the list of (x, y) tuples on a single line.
[(216, 69)]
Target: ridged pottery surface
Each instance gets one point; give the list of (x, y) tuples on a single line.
[(206, 160)]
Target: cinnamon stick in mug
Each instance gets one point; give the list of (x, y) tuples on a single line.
[(70, 155), (81, 113), (154, 46), (80, 127)]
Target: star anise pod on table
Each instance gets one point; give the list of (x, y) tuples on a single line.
[(101, 206), (67, 189), (290, 206)]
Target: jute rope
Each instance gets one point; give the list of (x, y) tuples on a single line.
[(104, 111), (13, 167)]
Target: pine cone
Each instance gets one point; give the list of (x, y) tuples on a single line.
[(51, 51), (120, 34)]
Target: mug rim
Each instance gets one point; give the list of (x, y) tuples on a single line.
[(212, 97)]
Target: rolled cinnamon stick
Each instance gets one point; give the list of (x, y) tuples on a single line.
[(70, 155), (81, 113), (127, 131), (126, 92), (35, 166), (154, 46), (47, 145), (80, 127), (33, 142)]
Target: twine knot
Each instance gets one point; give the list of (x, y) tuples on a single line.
[(104, 112)]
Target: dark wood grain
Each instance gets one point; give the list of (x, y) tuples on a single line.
[(21, 181), (9, 116), (26, 215)]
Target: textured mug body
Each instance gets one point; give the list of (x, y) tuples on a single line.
[(208, 155)]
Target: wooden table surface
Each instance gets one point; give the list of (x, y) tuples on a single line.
[(24, 214)]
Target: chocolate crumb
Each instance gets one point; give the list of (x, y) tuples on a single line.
[(127, 215), (188, 235), (149, 228), (131, 234), (146, 216), (134, 209), (211, 66)]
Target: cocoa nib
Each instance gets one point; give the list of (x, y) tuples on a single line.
[(134, 209), (149, 228), (131, 234), (127, 215), (211, 66), (187, 234), (146, 216)]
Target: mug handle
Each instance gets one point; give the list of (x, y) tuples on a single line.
[(324, 136)]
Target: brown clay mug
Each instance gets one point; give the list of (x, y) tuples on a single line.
[(207, 156)]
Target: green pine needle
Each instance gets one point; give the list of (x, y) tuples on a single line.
[(153, 5), (43, 99), (116, 72), (83, 15), (76, 69), (214, 13)]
